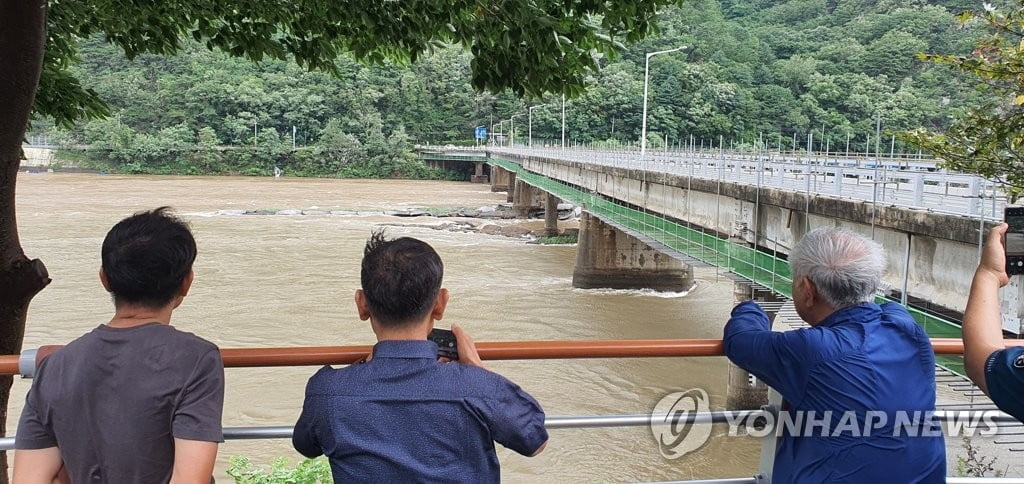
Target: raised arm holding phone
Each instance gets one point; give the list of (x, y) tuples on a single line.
[(997, 370)]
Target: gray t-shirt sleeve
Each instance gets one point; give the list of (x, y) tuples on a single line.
[(34, 429), (197, 415)]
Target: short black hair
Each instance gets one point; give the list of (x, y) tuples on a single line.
[(146, 257), (401, 279)]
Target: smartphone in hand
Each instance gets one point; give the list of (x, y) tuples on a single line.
[(1014, 217), (447, 347)]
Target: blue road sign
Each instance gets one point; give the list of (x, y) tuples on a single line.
[(481, 133)]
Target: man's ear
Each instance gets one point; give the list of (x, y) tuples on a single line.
[(362, 306), (814, 290), (811, 295), (437, 313), (104, 281), (186, 283), (807, 291)]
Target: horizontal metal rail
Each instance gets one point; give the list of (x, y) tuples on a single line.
[(597, 421), (732, 480), (949, 480), (24, 364), (551, 423)]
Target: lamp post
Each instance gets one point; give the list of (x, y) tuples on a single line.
[(501, 140), (563, 121), (512, 130), (530, 122), (647, 71)]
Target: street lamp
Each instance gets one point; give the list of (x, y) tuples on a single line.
[(500, 141), (647, 71), (563, 121), (512, 130), (530, 122)]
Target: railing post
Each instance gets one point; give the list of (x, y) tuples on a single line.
[(770, 442), (918, 190), (975, 191), (837, 189)]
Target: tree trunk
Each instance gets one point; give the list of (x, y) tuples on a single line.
[(22, 38)]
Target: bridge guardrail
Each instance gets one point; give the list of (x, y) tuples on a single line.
[(918, 184)]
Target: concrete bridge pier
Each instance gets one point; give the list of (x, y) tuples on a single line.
[(609, 258), (550, 215), (511, 188), (526, 198), (478, 173), (745, 391), (500, 179)]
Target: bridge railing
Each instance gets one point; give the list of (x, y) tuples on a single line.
[(916, 184), (25, 364)]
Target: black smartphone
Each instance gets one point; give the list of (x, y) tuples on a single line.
[(1014, 217), (446, 345)]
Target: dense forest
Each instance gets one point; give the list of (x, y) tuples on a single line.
[(768, 69)]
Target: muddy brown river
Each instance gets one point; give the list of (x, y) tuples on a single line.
[(288, 280)]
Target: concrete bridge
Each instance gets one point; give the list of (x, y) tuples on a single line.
[(648, 222)]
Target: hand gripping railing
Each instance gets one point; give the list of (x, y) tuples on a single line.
[(25, 364)]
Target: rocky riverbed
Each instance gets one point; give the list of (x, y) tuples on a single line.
[(498, 219)]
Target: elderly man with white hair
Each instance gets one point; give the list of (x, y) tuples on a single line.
[(858, 385)]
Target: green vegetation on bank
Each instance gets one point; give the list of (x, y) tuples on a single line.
[(557, 240), (309, 471), (781, 70)]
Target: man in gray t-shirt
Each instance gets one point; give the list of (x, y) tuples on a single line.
[(134, 400)]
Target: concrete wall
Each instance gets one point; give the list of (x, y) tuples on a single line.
[(935, 254), (38, 157)]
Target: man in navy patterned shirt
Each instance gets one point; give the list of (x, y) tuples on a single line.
[(997, 370), (403, 415)]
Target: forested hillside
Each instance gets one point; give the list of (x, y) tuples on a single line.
[(751, 68)]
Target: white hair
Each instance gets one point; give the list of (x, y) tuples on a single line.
[(845, 266)]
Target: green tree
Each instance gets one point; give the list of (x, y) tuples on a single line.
[(335, 149), (987, 139), (207, 155), (892, 55)]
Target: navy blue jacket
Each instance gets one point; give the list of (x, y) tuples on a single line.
[(858, 388), (405, 417)]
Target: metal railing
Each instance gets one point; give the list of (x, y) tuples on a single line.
[(900, 182), (25, 363)]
